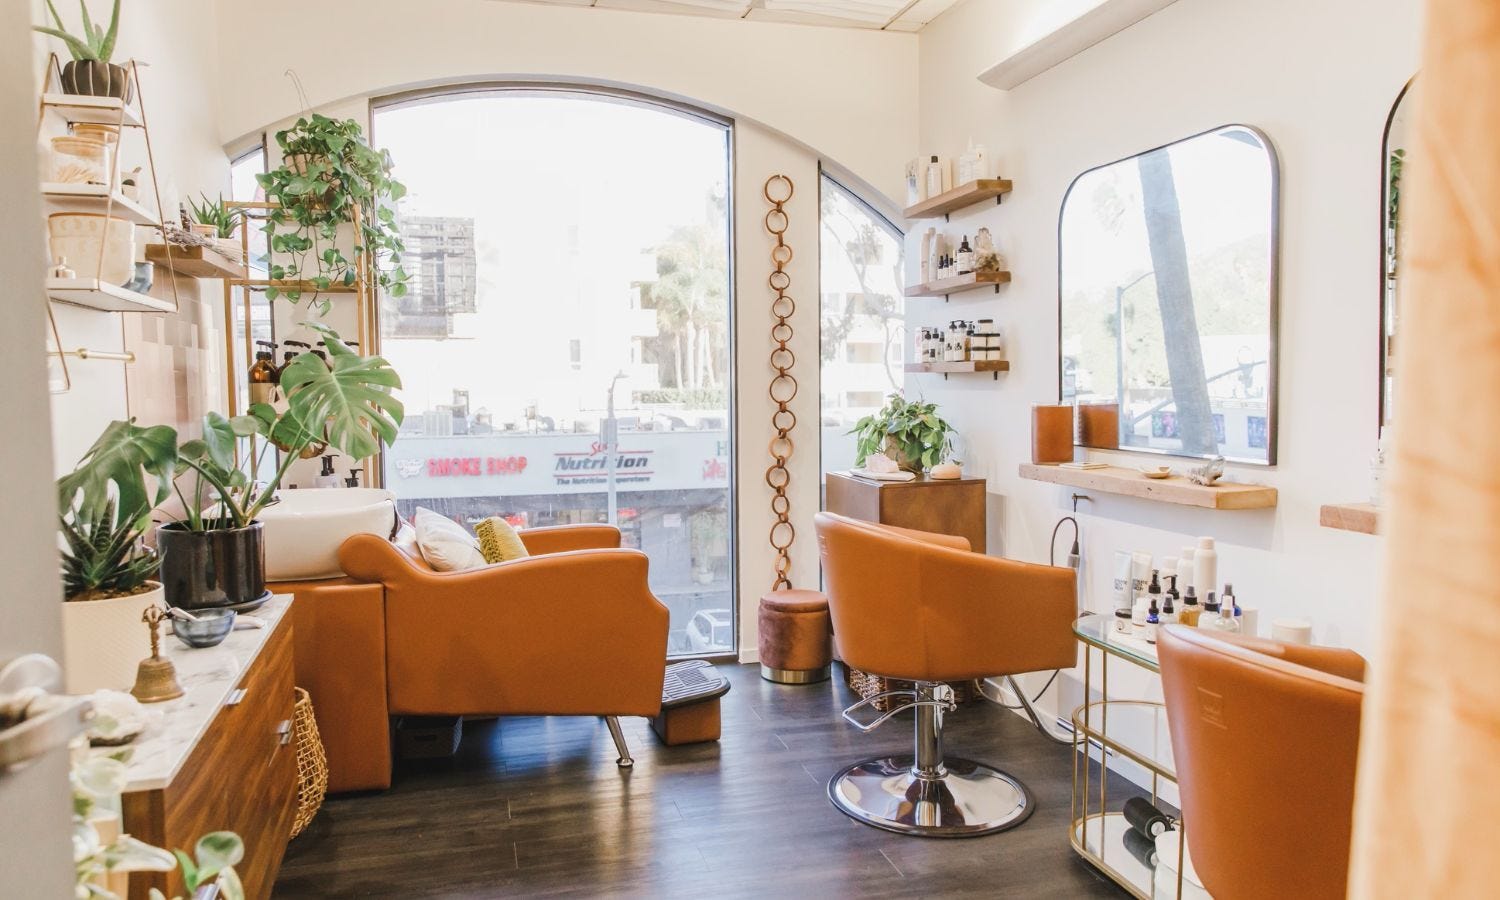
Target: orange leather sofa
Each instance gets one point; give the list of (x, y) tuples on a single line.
[(1266, 736), (572, 630)]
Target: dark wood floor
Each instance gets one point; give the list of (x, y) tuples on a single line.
[(534, 807)]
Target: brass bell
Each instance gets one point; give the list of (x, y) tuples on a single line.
[(155, 678)]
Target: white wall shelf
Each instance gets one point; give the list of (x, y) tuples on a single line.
[(62, 197), (95, 294)]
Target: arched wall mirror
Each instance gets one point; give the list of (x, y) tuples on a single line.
[(1398, 134), (1167, 299)]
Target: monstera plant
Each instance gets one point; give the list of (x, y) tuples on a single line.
[(212, 553)]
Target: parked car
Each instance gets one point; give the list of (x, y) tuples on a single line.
[(710, 630)]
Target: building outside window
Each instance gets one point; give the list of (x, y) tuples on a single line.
[(566, 358), (862, 317)]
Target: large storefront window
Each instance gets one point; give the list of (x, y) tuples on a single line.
[(565, 341), (863, 317)]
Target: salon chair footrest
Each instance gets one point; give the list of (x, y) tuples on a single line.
[(690, 703), (970, 798)]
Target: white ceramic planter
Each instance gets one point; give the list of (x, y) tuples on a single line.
[(77, 237), (104, 641)]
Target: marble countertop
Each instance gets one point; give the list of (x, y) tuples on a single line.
[(207, 676)]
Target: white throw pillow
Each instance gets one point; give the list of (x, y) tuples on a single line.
[(446, 545)]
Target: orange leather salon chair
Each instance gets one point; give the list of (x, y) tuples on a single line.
[(572, 630), (1266, 736), (923, 608)]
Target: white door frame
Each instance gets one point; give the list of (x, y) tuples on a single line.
[(36, 853)]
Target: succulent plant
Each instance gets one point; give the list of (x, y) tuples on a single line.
[(97, 43)]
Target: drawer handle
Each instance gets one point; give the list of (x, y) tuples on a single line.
[(285, 731), (235, 696)]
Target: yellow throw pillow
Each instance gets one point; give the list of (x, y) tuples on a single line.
[(498, 541)]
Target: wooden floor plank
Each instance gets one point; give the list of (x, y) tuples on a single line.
[(535, 807)]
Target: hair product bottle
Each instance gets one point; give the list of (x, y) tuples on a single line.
[(1205, 564), (264, 375), (1190, 611)]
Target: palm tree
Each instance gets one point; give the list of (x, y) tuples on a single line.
[(690, 300)]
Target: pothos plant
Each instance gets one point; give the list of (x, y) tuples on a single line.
[(97, 782), (331, 177), (911, 434)]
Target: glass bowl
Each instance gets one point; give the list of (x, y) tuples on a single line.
[(210, 629)]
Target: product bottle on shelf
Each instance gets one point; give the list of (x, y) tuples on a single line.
[(1205, 564), (1191, 610)]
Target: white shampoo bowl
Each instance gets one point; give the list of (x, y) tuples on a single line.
[(304, 530)]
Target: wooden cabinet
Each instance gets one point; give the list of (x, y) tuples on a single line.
[(954, 506), (240, 776)]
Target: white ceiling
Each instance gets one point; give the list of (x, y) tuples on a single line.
[(890, 15)]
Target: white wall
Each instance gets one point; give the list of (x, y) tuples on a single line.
[(176, 41), (850, 93), (1319, 79)]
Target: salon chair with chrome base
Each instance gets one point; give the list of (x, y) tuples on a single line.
[(922, 608)]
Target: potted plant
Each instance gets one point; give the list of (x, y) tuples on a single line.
[(217, 220), (911, 434), (107, 584), (98, 866), (331, 177), (90, 71), (212, 552)]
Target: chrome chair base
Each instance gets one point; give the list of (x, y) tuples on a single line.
[(966, 799)]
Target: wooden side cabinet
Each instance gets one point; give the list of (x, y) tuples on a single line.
[(240, 776), (955, 506)]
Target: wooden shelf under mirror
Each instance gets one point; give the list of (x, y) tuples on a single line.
[(958, 284), (95, 294), (196, 262), (964, 195), (1176, 489), (1361, 517), (961, 368)]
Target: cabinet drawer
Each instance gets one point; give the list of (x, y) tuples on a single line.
[(242, 777)]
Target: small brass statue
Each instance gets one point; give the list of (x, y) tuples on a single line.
[(156, 679)]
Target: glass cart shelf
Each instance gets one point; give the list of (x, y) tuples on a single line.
[(1135, 730)]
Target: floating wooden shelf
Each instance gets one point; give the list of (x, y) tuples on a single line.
[(62, 197), (196, 262), (958, 284), (1177, 489), (1361, 517), (93, 293), (306, 287), (961, 368), (964, 195), (74, 108)]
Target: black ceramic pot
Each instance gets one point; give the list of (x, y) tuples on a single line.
[(210, 569), (92, 78)]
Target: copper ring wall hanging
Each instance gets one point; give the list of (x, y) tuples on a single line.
[(783, 386)]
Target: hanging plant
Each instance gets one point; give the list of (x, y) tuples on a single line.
[(331, 177)]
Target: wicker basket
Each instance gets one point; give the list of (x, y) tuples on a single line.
[(866, 685), (312, 763)]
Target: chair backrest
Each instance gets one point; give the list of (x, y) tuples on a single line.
[(908, 607), (1265, 749)]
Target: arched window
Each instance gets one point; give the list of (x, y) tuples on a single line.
[(565, 340), (863, 317)]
